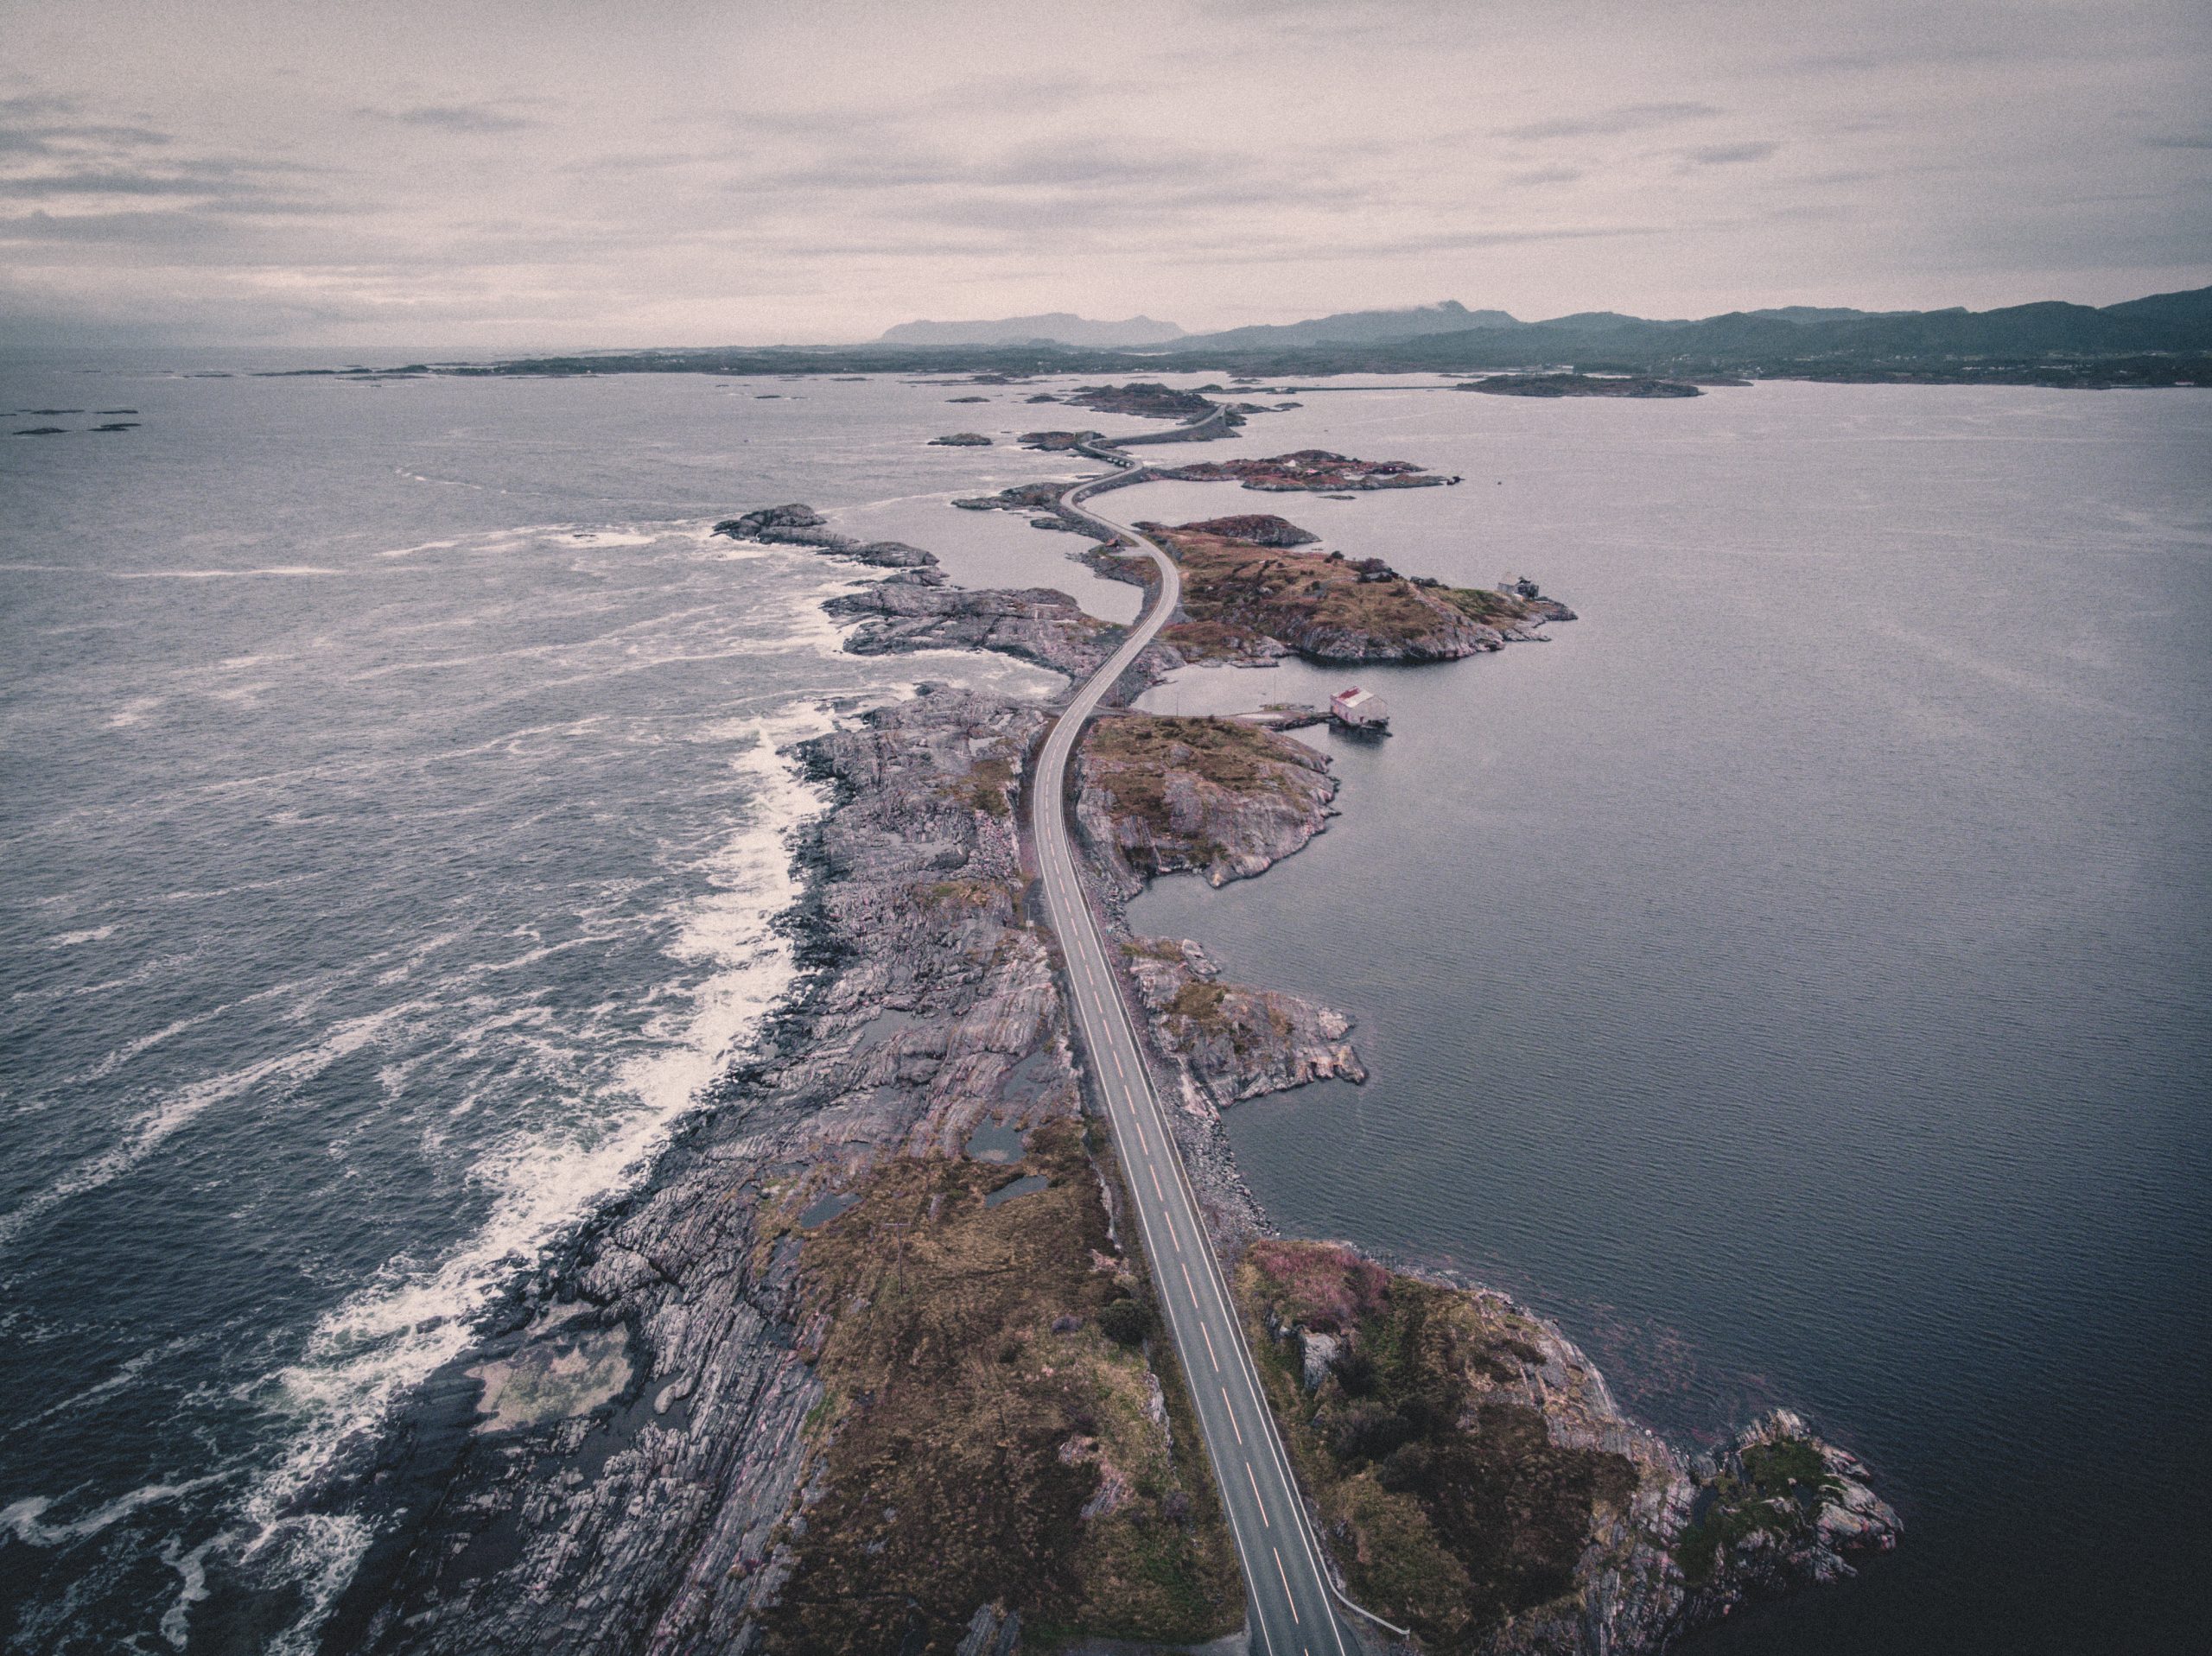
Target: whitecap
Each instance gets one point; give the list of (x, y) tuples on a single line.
[(191, 1568), (70, 939), (25, 1519), (220, 575), (414, 1318)]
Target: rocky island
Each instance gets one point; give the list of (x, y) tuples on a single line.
[(871, 1365), (1250, 592), (1580, 386), (1308, 470)]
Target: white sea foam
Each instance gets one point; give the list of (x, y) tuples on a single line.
[(219, 574), (414, 1318), (192, 1569), (25, 1519), (132, 711), (70, 939)]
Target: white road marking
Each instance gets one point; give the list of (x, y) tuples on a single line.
[(1285, 1574), (1162, 1194), (1256, 1492), (1210, 1358), (1233, 1426)]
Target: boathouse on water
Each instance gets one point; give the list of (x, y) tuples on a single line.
[(1360, 709)]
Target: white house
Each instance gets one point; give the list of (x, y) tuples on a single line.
[(1359, 708)]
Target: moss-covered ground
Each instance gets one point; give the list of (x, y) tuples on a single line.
[(1780, 1491), (989, 1433), (1448, 1505)]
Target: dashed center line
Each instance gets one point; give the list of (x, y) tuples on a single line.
[(1264, 1524)]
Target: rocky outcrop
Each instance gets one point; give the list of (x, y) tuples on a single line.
[(918, 611), (1487, 1487), (961, 438), (1237, 1043), (1040, 502), (800, 525), (1255, 528), (1144, 397), (1157, 794), (1309, 470), (1238, 592)]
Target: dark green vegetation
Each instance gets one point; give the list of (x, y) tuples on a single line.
[(1778, 1491), (2163, 339), (990, 1432), (1440, 1488)]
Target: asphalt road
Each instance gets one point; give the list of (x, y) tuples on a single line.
[(1291, 1602)]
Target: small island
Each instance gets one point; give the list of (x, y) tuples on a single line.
[(1581, 385), (1250, 594)]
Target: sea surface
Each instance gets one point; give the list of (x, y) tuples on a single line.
[(1793, 977)]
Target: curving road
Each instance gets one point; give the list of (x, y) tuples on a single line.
[(1290, 1609)]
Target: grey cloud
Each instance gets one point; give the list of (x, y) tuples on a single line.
[(2200, 139), (47, 139), (1626, 118), (35, 104), (89, 182), (1544, 175), (1729, 155), (454, 117)]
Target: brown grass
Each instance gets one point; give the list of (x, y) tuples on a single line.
[(964, 1431), (1132, 756), (1241, 589)]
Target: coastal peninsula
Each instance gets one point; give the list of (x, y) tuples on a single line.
[(874, 1362)]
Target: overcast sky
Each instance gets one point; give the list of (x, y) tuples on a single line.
[(543, 173)]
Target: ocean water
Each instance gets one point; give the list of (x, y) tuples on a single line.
[(1793, 977), (394, 828)]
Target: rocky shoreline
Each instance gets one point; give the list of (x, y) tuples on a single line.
[(632, 1460)]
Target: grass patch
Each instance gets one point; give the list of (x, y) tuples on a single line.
[(1450, 1509), (1200, 1002), (988, 787), (980, 1410)]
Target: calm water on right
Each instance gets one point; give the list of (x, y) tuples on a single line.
[(1794, 977)]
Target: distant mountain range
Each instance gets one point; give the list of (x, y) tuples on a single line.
[(2163, 339), (1056, 327), (1449, 335), (1352, 327)]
